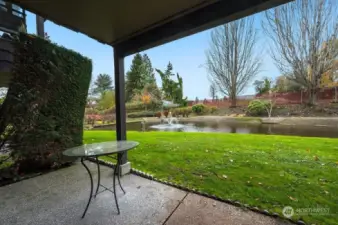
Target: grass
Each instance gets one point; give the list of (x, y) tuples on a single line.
[(269, 172)]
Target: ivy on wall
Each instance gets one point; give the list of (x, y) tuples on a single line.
[(44, 108)]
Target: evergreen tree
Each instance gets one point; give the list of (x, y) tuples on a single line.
[(102, 84), (149, 76), (141, 73), (172, 90), (134, 77)]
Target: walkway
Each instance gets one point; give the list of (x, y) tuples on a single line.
[(60, 197)]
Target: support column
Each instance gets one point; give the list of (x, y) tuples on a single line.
[(40, 26), (120, 108)]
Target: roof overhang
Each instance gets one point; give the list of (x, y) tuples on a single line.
[(135, 25)]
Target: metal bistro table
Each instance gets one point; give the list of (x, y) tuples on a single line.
[(101, 149)]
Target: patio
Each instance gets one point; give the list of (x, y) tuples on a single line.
[(59, 197)]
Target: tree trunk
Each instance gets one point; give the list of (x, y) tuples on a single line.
[(312, 96), (233, 102)]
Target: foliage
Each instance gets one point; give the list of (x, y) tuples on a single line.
[(258, 107), (273, 171), (172, 90), (107, 100), (330, 78), (148, 75), (102, 84), (146, 98), (213, 109), (140, 74), (303, 35), (199, 108), (130, 107), (134, 106), (232, 61), (184, 111), (285, 84), (263, 86), (141, 114), (184, 102), (46, 106)]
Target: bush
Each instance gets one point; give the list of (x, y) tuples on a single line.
[(257, 108), (134, 106), (158, 114), (213, 109), (185, 111), (199, 109), (141, 114)]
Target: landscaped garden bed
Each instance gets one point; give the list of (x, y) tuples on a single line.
[(269, 172)]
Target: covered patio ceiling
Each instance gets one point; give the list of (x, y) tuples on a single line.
[(134, 25)]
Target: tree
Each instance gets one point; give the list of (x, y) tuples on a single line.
[(148, 76), (172, 90), (302, 35), (213, 91), (134, 78), (140, 74), (263, 86), (285, 84), (231, 59), (102, 84), (107, 100)]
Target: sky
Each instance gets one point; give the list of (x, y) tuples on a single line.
[(187, 56)]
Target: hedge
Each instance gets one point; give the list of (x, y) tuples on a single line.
[(45, 103), (141, 114)]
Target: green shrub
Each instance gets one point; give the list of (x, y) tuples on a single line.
[(199, 109), (141, 114), (213, 109), (184, 111), (47, 118), (257, 107), (134, 106)]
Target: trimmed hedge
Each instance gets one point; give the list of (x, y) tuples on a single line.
[(141, 114), (45, 103)]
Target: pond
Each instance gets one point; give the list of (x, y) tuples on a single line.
[(237, 127)]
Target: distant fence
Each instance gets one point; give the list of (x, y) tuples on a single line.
[(324, 96)]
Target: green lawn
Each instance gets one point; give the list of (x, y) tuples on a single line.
[(269, 172)]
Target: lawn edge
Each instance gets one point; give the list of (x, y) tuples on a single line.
[(178, 186)]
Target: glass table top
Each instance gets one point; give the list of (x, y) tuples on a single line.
[(103, 148)]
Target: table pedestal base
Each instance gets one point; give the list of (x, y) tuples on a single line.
[(116, 173)]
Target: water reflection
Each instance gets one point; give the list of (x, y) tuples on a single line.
[(244, 128)]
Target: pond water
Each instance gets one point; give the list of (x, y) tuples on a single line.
[(237, 127)]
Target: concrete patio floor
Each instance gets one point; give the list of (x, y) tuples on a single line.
[(60, 197)]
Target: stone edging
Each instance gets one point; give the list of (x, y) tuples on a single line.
[(229, 201)]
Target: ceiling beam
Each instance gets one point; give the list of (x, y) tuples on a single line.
[(202, 19)]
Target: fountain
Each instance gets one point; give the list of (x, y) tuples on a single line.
[(169, 123)]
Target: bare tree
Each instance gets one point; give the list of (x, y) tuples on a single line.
[(303, 34), (213, 91), (231, 58)]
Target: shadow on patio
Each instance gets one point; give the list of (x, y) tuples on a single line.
[(60, 197)]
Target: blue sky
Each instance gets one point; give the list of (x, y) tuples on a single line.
[(187, 56)]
